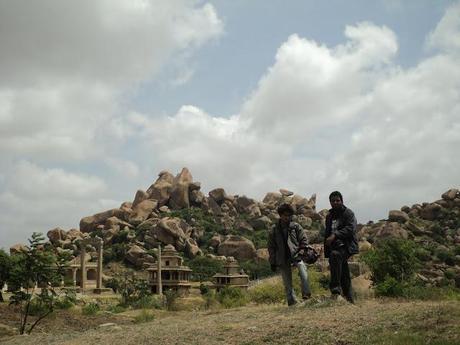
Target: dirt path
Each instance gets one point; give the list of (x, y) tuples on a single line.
[(368, 322)]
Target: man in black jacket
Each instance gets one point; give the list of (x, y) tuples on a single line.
[(286, 243), (340, 243)]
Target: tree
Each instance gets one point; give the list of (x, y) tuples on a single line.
[(5, 267), (204, 268), (393, 263), (38, 267)]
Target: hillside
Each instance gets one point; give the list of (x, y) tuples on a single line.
[(173, 210)]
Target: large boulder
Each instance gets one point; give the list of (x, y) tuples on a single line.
[(431, 211), (135, 255), (55, 235), (398, 216), (18, 248), (218, 194), (161, 189), (89, 224), (393, 230), (170, 231), (237, 246), (74, 234), (261, 223), (451, 194), (191, 248), (272, 198), (139, 197), (142, 211), (244, 204), (180, 190)]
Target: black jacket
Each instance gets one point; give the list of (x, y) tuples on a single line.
[(345, 232)]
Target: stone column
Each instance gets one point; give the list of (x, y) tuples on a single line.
[(159, 282), (83, 267), (99, 264), (74, 276)]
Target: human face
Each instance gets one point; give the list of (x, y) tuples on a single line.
[(336, 202), (285, 217)]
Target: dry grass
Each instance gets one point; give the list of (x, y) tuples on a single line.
[(320, 322)]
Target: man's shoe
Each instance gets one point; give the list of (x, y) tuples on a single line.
[(306, 297)]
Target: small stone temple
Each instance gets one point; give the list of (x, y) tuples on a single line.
[(232, 276), (174, 276), (88, 275)]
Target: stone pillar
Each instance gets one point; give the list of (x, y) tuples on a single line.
[(99, 264), (83, 267), (74, 276), (159, 282)]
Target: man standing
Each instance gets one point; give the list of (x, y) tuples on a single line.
[(340, 243), (286, 243)]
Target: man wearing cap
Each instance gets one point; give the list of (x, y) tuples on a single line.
[(286, 241), (339, 244)]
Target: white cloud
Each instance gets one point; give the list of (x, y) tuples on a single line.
[(446, 35), (66, 68), (322, 119)]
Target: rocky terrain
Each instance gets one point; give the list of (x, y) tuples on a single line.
[(174, 210)]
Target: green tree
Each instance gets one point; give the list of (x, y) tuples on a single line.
[(393, 263), (5, 267), (38, 267), (204, 268)]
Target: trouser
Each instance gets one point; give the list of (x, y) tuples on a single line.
[(286, 274), (340, 274)]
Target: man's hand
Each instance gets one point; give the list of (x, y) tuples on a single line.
[(273, 268), (330, 239)]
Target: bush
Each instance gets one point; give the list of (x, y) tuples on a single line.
[(231, 297), (204, 289), (170, 298), (90, 309), (446, 256), (37, 307), (146, 302), (204, 268), (116, 308), (256, 270), (389, 287), (395, 258), (68, 300), (209, 300)]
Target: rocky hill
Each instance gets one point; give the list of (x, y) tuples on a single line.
[(173, 210)]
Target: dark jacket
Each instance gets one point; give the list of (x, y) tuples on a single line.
[(345, 232), (277, 247)]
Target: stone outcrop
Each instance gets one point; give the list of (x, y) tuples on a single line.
[(237, 246)]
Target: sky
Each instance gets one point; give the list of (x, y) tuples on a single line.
[(97, 97)]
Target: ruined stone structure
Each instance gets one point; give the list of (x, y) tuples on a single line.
[(232, 276), (87, 274), (174, 276)]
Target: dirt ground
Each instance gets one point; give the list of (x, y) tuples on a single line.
[(322, 322)]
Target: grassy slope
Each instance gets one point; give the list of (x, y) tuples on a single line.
[(368, 322)]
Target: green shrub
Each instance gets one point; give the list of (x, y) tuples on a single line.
[(231, 297), (392, 257), (256, 270), (144, 316), (266, 293), (146, 302), (37, 307), (389, 287), (446, 256), (204, 289), (204, 268), (116, 308), (170, 298), (90, 309), (210, 300)]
